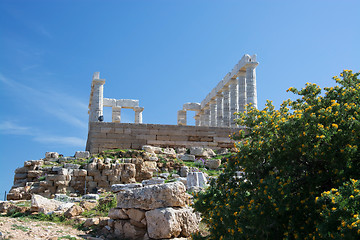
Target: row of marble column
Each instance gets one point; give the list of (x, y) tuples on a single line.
[(116, 114), (96, 103), (232, 98)]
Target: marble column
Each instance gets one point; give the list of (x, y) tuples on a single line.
[(197, 119), (138, 114), (226, 106), (219, 110), (233, 101), (202, 119), (207, 115), (242, 91), (116, 114), (213, 113), (97, 102), (251, 92), (181, 119)]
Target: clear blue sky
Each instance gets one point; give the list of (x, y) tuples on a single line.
[(162, 52)]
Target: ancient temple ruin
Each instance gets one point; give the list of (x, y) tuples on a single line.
[(97, 102), (231, 95), (214, 116)]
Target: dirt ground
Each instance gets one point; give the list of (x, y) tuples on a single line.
[(24, 229)]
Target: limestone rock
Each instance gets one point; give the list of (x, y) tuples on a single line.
[(153, 196), (196, 179), (82, 154), (187, 157), (170, 222), (73, 211), (122, 187), (153, 181), (133, 232), (202, 152), (135, 214), (128, 173), (88, 205), (44, 205), (213, 163), (91, 222), (118, 213), (51, 155), (184, 171), (151, 149)]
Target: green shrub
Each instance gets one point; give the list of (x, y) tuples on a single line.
[(288, 157)]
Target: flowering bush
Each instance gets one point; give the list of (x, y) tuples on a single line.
[(290, 157)]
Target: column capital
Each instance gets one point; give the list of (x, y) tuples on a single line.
[(233, 81), (138, 109), (241, 74), (219, 94), (212, 101), (98, 81), (225, 88), (251, 65)]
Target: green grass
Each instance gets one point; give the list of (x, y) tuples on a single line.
[(67, 237), (19, 227), (101, 210)]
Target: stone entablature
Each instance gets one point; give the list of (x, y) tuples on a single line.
[(232, 94), (97, 102), (103, 136)]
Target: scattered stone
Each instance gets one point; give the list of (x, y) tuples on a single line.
[(91, 197), (88, 205), (164, 175), (153, 196), (213, 163), (170, 222), (118, 213), (82, 154), (73, 211), (44, 205), (135, 214), (196, 179), (187, 157), (152, 181), (184, 171), (151, 149), (222, 151), (51, 155), (71, 166), (91, 222), (121, 187)]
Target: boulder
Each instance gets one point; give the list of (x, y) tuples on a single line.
[(71, 166), (213, 163), (73, 211), (184, 171), (88, 205), (135, 214), (196, 179), (153, 181), (51, 155), (153, 196), (151, 149), (128, 173), (122, 187), (133, 232), (202, 152), (170, 222), (187, 157), (117, 213), (44, 205), (82, 154), (91, 222)]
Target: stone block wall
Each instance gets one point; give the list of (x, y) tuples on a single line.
[(103, 136)]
